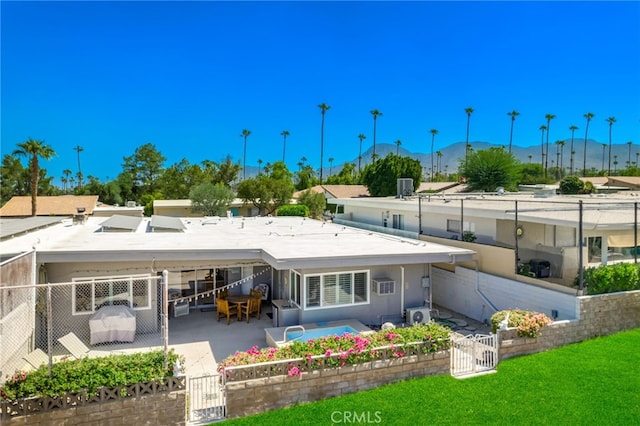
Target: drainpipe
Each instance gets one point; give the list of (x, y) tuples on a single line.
[(489, 302), (402, 290), (419, 215), (515, 233), (635, 232), (580, 252)]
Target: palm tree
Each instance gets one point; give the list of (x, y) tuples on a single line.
[(604, 147), (259, 165), (246, 134), (573, 130), (331, 166), (513, 114), (615, 164), (542, 128), (398, 143), (549, 117), (433, 132), (530, 157), (284, 134), (323, 108), (34, 150), (79, 149), (65, 179), (375, 113), (559, 154), (629, 161), (362, 137), (439, 163), (610, 120), (588, 116), (469, 111)]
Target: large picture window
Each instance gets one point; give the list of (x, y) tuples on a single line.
[(90, 294), (336, 289)]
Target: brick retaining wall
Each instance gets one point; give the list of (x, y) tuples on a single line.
[(600, 315), (166, 408), (283, 391)]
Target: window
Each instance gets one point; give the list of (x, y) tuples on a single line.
[(89, 295), (336, 289), (294, 287)]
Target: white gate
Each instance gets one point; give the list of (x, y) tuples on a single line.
[(206, 398), (474, 354)]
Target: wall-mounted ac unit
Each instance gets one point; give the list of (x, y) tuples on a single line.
[(384, 286), (419, 315)]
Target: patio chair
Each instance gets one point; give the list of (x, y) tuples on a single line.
[(79, 349), (225, 309), (36, 358), (252, 307)]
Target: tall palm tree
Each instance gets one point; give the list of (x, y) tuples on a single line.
[(530, 157), (513, 114), (439, 163), (79, 149), (362, 137), (433, 132), (549, 117), (375, 113), (604, 147), (615, 164), (398, 143), (559, 154), (259, 165), (331, 166), (543, 128), (323, 108), (588, 116), (573, 130), (65, 179), (610, 120), (34, 150), (629, 160), (246, 134), (469, 111), (284, 134)]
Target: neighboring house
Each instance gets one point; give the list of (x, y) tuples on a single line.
[(544, 228), (182, 208), (326, 271), (61, 205), (337, 191)]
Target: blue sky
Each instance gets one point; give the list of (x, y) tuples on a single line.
[(189, 77)]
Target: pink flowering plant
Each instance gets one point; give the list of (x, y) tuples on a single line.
[(347, 349), (526, 323)]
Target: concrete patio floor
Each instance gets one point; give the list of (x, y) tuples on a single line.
[(204, 341)]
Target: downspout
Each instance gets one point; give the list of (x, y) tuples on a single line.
[(635, 232), (402, 291), (419, 215), (489, 302), (580, 252)]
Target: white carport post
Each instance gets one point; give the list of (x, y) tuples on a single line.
[(401, 290)]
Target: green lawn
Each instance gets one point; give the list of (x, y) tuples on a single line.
[(596, 382)]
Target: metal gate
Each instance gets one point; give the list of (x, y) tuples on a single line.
[(474, 354), (206, 398)]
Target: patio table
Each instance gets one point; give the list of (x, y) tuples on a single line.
[(239, 300)]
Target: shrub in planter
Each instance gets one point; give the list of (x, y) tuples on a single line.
[(89, 374), (611, 278), (526, 323)]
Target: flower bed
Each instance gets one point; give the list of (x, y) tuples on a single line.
[(526, 323), (335, 351)]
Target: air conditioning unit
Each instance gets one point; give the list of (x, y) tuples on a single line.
[(405, 188), (419, 315), (384, 286)]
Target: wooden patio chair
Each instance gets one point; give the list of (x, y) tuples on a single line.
[(225, 309), (252, 307)]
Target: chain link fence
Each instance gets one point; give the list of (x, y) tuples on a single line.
[(46, 323)]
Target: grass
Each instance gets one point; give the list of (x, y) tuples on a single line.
[(596, 382)]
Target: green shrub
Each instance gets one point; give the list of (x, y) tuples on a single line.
[(611, 278), (89, 374), (293, 210), (527, 323)]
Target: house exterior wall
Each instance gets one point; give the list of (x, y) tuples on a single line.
[(457, 291)]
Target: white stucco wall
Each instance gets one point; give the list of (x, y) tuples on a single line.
[(457, 291)]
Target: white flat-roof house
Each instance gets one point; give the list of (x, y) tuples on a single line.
[(325, 270), (539, 227)]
